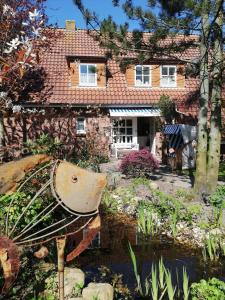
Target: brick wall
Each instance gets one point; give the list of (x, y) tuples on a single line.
[(61, 125)]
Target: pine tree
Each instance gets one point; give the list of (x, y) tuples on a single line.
[(163, 20)]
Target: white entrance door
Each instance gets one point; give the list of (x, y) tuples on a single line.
[(124, 133)]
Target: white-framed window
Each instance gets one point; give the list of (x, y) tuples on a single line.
[(122, 131), (81, 125), (88, 75), (143, 76), (168, 76)]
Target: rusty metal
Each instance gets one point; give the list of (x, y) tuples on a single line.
[(9, 259), (93, 228), (78, 192), (61, 243)]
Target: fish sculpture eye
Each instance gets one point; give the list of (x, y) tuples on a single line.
[(74, 179)]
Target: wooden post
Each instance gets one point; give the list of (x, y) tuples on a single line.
[(61, 242)]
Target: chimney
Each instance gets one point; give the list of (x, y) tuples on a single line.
[(70, 25)]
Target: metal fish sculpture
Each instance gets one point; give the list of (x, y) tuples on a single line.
[(77, 194)]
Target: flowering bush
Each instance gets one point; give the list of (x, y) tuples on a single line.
[(139, 163)]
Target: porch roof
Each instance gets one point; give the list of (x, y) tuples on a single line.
[(134, 112)]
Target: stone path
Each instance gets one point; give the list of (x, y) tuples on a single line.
[(166, 180)]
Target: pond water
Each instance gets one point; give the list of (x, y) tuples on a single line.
[(110, 249)]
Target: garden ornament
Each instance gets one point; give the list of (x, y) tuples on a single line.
[(77, 192)]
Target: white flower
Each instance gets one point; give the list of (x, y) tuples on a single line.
[(13, 45), (3, 94), (36, 31), (33, 15), (25, 24), (8, 10), (16, 108)]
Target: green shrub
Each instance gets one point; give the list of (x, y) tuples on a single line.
[(19, 201), (86, 157), (44, 145), (217, 199), (167, 108), (222, 171), (212, 289)]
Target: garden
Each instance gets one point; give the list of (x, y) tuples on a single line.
[(75, 225), (152, 244)]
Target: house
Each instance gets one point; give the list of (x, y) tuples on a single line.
[(89, 97)]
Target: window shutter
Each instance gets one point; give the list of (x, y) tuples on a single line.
[(180, 76), (130, 72), (155, 76), (101, 75), (74, 73)]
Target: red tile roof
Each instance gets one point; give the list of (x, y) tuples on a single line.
[(80, 43)]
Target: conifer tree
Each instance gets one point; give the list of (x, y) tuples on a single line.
[(198, 24)]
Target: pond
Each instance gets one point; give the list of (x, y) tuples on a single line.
[(110, 249)]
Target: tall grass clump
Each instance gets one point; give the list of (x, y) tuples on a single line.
[(145, 221), (213, 249), (159, 283), (186, 288)]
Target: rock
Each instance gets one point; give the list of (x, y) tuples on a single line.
[(101, 291), (113, 179), (137, 199), (153, 185), (72, 277), (215, 231), (143, 191), (12, 173), (155, 176), (110, 167)]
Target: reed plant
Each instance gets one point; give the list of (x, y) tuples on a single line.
[(211, 249), (173, 222), (186, 288), (146, 224), (222, 247), (159, 282), (161, 274), (171, 290), (155, 286), (136, 274)]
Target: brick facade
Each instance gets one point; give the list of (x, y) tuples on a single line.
[(61, 125)]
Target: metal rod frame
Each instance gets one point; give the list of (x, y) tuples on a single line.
[(19, 189), (45, 235), (29, 204)]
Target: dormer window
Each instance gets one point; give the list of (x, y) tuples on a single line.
[(142, 76), (88, 75), (168, 76)]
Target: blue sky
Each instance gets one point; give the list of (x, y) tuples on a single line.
[(60, 10)]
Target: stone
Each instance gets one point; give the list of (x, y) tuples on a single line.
[(100, 291), (153, 185), (12, 173), (72, 277), (113, 179), (215, 231), (110, 167)]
